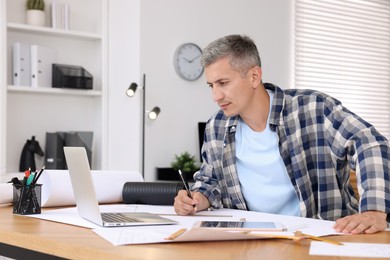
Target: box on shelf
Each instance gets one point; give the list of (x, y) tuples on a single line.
[(70, 76)]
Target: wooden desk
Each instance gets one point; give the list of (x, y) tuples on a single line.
[(48, 239)]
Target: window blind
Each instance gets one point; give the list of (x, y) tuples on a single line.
[(342, 48)]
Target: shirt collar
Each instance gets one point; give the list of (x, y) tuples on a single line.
[(276, 117)]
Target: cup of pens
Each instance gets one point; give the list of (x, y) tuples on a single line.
[(27, 199), (27, 194)]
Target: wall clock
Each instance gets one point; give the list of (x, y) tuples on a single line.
[(187, 61)]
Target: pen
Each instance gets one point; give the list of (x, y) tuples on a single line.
[(185, 185), (38, 175), (30, 179)]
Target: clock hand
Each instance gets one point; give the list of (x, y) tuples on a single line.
[(190, 61)]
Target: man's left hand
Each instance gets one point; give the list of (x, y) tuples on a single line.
[(368, 222)]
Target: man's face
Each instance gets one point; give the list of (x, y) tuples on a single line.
[(231, 91)]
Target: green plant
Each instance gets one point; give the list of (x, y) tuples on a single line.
[(184, 162), (35, 5)]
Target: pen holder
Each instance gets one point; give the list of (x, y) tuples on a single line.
[(27, 199)]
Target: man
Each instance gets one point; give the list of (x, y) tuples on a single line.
[(285, 151)]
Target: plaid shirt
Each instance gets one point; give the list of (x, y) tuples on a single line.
[(320, 141)]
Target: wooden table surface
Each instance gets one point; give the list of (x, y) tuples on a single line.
[(73, 242)]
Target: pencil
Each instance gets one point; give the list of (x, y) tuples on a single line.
[(36, 177), (185, 185), (176, 234)]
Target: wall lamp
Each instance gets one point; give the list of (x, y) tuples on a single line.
[(131, 90), (152, 115)]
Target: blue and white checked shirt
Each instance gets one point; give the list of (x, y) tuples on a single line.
[(320, 141)]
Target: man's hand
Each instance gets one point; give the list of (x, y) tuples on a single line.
[(184, 205), (368, 222)]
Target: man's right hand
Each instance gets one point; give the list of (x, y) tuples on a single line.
[(184, 205)]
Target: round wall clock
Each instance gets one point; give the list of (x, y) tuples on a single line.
[(187, 61)]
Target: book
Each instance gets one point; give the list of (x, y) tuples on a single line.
[(53, 12), (41, 60), (59, 15), (21, 64)]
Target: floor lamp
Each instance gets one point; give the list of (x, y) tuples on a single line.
[(152, 115)]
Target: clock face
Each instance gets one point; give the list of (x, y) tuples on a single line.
[(187, 61)]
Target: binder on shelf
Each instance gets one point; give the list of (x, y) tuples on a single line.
[(21, 64), (42, 59)]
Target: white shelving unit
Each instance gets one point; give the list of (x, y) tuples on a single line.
[(53, 32), (55, 91), (27, 111)]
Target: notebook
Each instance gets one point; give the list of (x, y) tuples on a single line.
[(86, 201)]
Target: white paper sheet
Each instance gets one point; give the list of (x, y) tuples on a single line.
[(5, 193), (71, 216), (57, 189), (157, 234), (350, 249), (130, 235)]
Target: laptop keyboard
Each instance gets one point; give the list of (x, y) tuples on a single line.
[(116, 218)]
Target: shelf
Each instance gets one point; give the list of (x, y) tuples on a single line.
[(55, 91), (16, 27), (56, 109)]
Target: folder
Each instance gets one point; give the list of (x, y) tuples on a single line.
[(21, 64), (54, 151), (55, 142), (42, 59)]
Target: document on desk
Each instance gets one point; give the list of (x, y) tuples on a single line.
[(71, 216), (158, 234), (350, 249), (146, 235)]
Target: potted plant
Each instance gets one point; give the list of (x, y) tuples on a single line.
[(186, 163), (35, 14)]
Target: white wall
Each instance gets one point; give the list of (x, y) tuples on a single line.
[(3, 83), (169, 23), (124, 125), (143, 36)]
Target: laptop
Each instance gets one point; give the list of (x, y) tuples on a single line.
[(86, 201)]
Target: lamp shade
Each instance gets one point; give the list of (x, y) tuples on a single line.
[(131, 90), (154, 113)]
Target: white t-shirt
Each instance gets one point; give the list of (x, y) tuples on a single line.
[(263, 177)]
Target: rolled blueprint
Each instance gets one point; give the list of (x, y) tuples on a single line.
[(152, 193), (57, 188)]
